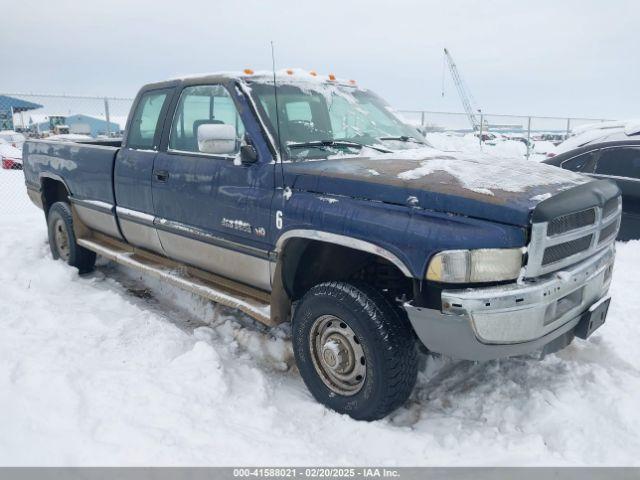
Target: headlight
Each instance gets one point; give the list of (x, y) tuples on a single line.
[(475, 266)]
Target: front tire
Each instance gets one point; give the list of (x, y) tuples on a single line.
[(62, 239), (356, 353)]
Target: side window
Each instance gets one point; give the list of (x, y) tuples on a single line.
[(619, 162), (203, 105), (584, 163), (144, 131)]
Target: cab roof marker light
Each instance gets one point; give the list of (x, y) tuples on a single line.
[(332, 77), (313, 73), (289, 71), (248, 71), (352, 82)]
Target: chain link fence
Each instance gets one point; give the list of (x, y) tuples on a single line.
[(77, 117), (538, 135), (70, 117)]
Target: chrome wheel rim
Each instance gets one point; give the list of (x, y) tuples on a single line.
[(61, 239), (337, 355)]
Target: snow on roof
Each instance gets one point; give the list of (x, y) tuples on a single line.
[(286, 74), (609, 131), (632, 127), (612, 124)]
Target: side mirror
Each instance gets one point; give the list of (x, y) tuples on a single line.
[(248, 154), (217, 138)]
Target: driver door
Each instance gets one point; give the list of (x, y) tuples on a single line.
[(212, 211)]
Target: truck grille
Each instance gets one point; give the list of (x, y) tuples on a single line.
[(571, 221), (572, 237), (607, 232), (566, 249)]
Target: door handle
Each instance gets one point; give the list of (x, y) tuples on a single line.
[(161, 175)]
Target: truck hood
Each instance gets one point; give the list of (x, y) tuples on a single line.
[(493, 188)]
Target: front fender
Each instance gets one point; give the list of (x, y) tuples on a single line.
[(408, 237)]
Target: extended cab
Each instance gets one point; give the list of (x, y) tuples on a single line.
[(310, 202)]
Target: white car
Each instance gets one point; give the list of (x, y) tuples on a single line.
[(14, 139), (10, 156)]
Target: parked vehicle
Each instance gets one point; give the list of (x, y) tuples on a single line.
[(615, 157), (318, 206), (14, 139), (593, 132), (555, 138), (10, 156)]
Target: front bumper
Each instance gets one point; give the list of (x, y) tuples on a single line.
[(514, 319)]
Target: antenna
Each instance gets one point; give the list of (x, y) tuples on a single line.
[(275, 96)]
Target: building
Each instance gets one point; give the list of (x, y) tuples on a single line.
[(90, 125), (44, 123), (10, 106)]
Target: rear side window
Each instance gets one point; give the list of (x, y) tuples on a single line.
[(584, 163), (620, 162), (144, 132)]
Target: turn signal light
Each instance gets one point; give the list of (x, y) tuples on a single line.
[(248, 71), (289, 72), (332, 77)]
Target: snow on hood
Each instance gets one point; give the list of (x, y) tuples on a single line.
[(482, 186), (484, 173)]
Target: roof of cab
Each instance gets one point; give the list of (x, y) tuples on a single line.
[(286, 75)]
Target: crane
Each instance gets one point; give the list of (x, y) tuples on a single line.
[(462, 91)]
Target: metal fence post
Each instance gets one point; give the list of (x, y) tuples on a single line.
[(481, 126), (422, 118), (106, 116), (528, 137), (568, 127)]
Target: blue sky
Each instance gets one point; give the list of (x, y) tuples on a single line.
[(540, 57)]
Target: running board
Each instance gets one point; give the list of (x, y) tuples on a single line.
[(254, 303)]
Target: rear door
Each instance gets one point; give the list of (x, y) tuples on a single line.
[(212, 211), (134, 169), (622, 164)]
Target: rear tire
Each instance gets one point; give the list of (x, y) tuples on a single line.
[(356, 353), (62, 239)]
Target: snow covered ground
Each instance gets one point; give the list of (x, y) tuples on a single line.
[(111, 369)]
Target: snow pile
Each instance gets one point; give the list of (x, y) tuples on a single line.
[(114, 369), (499, 147)]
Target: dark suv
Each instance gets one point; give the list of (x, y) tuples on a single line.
[(615, 157)]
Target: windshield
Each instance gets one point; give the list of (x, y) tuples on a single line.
[(317, 120)]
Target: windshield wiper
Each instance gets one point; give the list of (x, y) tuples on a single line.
[(403, 138), (325, 144)]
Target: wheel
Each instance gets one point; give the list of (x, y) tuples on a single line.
[(355, 352), (62, 239)]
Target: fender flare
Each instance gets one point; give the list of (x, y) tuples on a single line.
[(344, 241), (53, 176)]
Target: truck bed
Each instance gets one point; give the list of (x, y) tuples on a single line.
[(86, 168)]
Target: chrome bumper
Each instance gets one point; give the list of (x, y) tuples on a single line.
[(513, 319)]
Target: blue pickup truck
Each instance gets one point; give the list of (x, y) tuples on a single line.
[(303, 198)]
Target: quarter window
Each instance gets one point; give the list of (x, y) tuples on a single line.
[(584, 163), (145, 126), (203, 105)]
